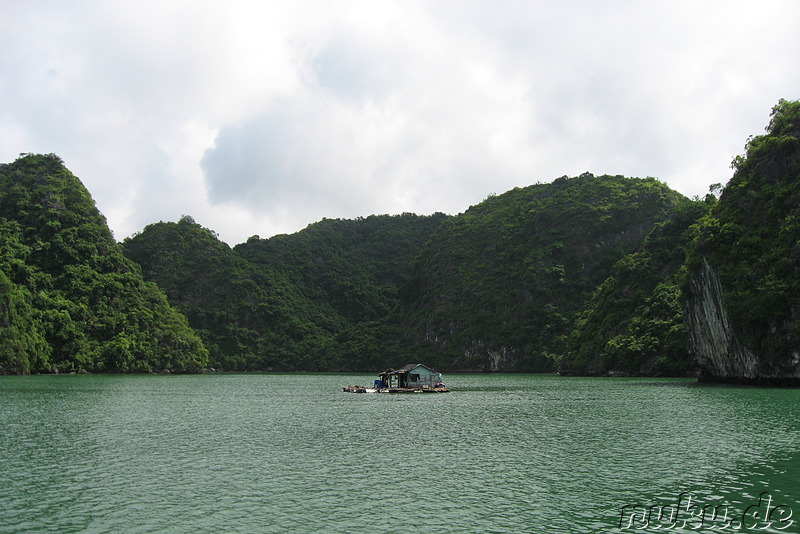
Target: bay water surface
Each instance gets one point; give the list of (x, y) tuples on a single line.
[(293, 453)]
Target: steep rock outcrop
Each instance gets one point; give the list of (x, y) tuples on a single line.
[(712, 340), (715, 345)]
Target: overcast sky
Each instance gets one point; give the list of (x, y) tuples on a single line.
[(263, 117)]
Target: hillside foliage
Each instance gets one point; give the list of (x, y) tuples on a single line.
[(499, 287), (291, 302), (70, 299), (633, 323)]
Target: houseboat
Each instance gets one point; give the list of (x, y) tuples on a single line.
[(411, 378)]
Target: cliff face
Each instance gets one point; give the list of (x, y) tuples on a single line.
[(715, 345), (711, 338)]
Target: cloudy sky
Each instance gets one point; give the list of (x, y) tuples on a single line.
[(261, 117)]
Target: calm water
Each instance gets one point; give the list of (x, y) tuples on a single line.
[(293, 453)]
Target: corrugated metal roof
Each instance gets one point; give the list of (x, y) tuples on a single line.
[(406, 369)]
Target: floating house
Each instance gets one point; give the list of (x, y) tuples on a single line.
[(411, 378)]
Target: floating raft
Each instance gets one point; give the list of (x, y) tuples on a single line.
[(424, 389), (411, 378)]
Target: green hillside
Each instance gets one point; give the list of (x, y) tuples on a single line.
[(248, 317), (495, 288), (70, 300), (633, 324), (355, 268), (290, 302), (499, 287)]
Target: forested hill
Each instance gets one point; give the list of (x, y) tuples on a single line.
[(355, 268), (633, 323), (248, 318), (500, 286), (290, 302), (69, 299), (717, 287), (495, 288)]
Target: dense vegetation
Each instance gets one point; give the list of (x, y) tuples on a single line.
[(499, 287), (633, 324), (496, 288), (70, 300), (291, 302), (354, 268), (586, 275), (247, 318), (752, 240)]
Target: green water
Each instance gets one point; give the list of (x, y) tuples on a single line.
[(293, 453)]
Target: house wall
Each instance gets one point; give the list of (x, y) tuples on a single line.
[(426, 377)]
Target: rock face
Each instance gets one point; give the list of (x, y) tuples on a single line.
[(715, 345), (712, 340)]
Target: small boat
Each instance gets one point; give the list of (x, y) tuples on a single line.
[(354, 389)]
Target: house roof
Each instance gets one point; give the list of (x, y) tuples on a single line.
[(407, 369)]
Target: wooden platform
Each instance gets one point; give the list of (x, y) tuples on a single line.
[(364, 389)]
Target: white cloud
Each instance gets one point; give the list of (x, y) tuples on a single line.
[(262, 117)]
